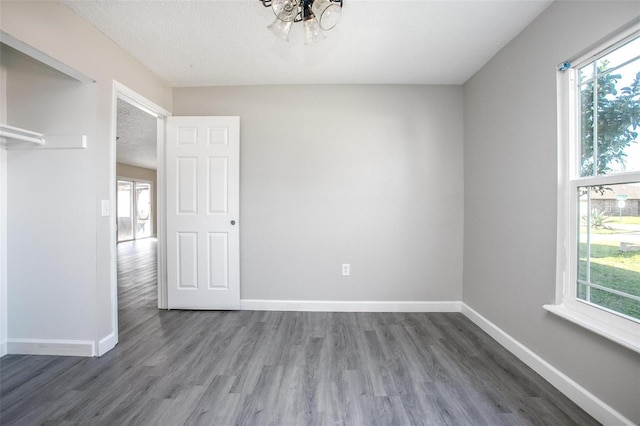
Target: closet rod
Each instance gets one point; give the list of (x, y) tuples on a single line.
[(21, 135)]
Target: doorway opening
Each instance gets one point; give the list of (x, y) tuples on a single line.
[(137, 195), (125, 98)]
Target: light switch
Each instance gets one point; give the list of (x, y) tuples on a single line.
[(106, 210), (346, 269)]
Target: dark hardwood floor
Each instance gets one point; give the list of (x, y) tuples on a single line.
[(278, 368)]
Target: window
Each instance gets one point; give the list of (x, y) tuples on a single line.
[(134, 210), (598, 270)]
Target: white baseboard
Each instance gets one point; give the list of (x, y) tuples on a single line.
[(106, 344), (597, 408), (3, 349), (346, 306), (51, 347)]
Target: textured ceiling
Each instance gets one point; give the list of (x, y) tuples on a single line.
[(226, 42), (137, 140)]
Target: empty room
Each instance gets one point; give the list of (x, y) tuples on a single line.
[(296, 212)]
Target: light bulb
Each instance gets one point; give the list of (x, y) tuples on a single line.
[(312, 33), (327, 12), (281, 28), (285, 10)]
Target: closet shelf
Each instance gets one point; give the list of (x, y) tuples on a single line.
[(17, 138), (22, 135)]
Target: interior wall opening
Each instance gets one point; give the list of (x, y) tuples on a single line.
[(136, 217)]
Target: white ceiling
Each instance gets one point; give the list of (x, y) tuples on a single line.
[(226, 42), (137, 141)]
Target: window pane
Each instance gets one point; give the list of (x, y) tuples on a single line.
[(586, 73), (586, 130), (609, 247), (583, 234), (143, 210), (615, 303), (610, 116), (617, 113), (125, 210), (620, 55)]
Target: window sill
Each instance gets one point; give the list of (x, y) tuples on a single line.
[(627, 339)]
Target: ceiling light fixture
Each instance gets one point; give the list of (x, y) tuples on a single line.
[(316, 15)]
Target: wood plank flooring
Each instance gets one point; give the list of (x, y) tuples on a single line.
[(279, 368)]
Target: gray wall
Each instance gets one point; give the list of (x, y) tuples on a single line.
[(53, 29), (366, 175), (51, 223), (510, 160)]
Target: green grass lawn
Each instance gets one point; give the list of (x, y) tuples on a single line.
[(611, 222), (629, 220), (613, 269)]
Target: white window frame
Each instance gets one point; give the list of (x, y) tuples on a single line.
[(151, 211), (597, 319)]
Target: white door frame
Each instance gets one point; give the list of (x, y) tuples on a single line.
[(122, 92)]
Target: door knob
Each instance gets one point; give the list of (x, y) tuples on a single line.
[(233, 222)]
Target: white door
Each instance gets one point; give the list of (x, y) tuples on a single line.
[(203, 246)]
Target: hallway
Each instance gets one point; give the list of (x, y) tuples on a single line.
[(137, 285)]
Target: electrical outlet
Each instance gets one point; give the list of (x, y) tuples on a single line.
[(346, 269)]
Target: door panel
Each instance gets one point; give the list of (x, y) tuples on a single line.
[(187, 260), (218, 260), (218, 172), (202, 212), (187, 179)]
